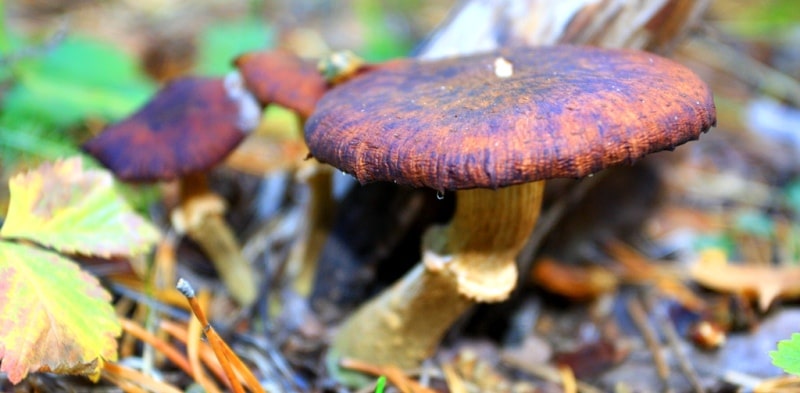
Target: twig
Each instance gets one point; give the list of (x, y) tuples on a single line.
[(193, 348), (396, 376), (674, 343), (722, 57), (186, 289), (227, 358), (454, 382), (548, 220), (206, 353), (639, 316), (274, 357), (162, 346), (546, 372), (568, 380), (118, 373)]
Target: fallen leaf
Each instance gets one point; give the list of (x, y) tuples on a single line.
[(574, 282), (73, 210), (638, 269), (765, 283), (53, 316)]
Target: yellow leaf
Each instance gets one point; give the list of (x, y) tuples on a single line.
[(765, 283), (53, 316), (62, 206)]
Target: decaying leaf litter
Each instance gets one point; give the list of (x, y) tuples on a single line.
[(727, 197)]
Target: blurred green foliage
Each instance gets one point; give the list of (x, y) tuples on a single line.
[(792, 196), (78, 79), (768, 19), (220, 43), (754, 222), (58, 86), (380, 42)]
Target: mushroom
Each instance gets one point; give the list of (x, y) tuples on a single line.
[(187, 128), (492, 128), (282, 78)]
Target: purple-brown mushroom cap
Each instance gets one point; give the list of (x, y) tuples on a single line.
[(190, 125), (508, 117), (282, 78)]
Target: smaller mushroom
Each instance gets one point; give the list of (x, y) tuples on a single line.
[(186, 129), (492, 128), (282, 78)]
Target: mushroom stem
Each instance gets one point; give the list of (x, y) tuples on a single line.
[(319, 219), (470, 260), (201, 217)]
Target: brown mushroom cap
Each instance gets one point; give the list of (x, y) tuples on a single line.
[(189, 126), (561, 111), (282, 78)]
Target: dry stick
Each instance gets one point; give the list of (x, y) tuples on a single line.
[(394, 374), (277, 360), (193, 347), (242, 368), (119, 373), (164, 347), (206, 353), (454, 382), (639, 316), (124, 384), (723, 57), (546, 372), (568, 379), (674, 343), (548, 220), (127, 343), (224, 353), (186, 289)]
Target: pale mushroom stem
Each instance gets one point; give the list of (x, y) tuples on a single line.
[(201, 217), (305, 254), (470, 260)]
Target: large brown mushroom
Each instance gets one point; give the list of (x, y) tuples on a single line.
[(190, 126), (492, 127)]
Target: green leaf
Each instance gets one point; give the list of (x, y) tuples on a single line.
[(70, 209), (381, 43), (787, 356), (380, 385), (79, 78), (792, 196), (755, 223), (53, 316), (221, 43), (719, 241), (31, 142), (771, 19)]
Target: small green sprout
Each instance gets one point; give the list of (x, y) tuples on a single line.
[(787, 356), (380, 385)]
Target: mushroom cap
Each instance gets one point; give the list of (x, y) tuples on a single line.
[(189, 126), (508, 117), (282, 78)]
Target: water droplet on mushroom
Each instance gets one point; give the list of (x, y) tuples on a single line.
[(440, 195)]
